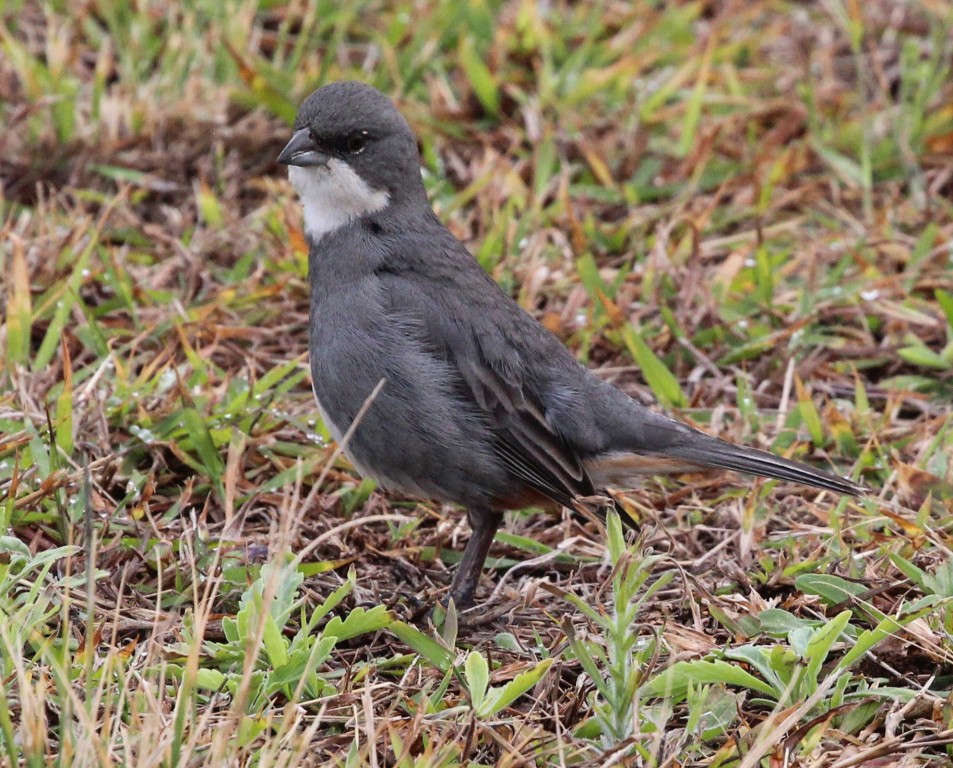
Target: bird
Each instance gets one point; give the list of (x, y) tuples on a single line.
[(434, 381)]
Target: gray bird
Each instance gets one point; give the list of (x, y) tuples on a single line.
[(480, 405)]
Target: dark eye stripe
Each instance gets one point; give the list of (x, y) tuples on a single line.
[(349, 144)]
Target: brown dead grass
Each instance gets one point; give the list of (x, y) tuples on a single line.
[(733, 550)]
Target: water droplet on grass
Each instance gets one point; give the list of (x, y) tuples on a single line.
[(315, 438)]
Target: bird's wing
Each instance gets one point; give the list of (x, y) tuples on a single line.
[(470, 323), (528, 445)]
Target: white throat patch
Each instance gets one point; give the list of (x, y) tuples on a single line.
[(332, 196)]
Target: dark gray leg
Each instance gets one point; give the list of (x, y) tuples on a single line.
[(484, 523)]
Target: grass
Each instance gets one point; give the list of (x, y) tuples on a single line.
[(741, 211)]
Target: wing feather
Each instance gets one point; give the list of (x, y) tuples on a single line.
[(527, 443)]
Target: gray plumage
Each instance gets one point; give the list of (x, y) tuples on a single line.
[(481, 406)]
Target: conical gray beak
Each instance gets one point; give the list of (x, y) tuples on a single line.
[(302, 151)]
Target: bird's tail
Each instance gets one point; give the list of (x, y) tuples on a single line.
[(712, 452), (673, 447)]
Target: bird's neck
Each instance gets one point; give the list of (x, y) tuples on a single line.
[(364, 244)]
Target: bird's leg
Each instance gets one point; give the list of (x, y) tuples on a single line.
[(484, 523)]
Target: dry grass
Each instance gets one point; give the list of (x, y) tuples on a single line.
[(754, 197)]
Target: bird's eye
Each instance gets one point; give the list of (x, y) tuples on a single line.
[(356, 142)]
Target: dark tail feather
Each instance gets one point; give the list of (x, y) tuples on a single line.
[(718, 453)]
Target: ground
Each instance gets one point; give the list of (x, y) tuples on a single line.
[(740, 212)]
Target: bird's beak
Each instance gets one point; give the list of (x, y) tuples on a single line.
[(302, 151)]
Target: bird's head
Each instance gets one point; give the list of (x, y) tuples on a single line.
[(352, 154)]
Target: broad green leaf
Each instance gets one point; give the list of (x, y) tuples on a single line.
[(886, 627), (67, 300), (674, 681), (908, 569), (799, 639), (14, 549), (359, 622), (773, 662), (833, 589), (849, 171), (427, 647), (525, 543), (477, 675), (920, 354), (820, 644), (230, 629), (945, 300), (592, 281), (202, 441), (330, 602), (209, 679), (508, 642), (501, 697), (776, 621), (300, 662), (276, 646), (615, 538), (209, 207), (657, 375), (480, 77)]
